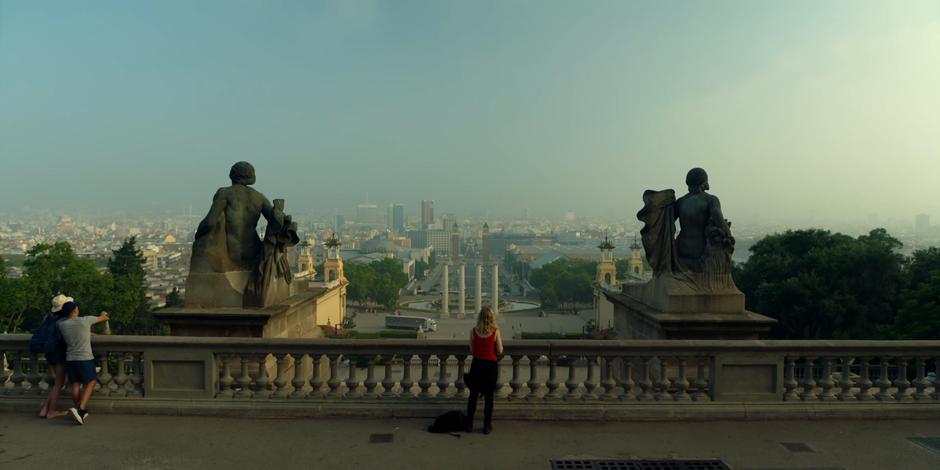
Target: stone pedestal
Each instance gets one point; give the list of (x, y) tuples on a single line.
[(217, 321), (216, 289), (666, 308)]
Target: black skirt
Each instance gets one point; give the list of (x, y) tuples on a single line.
[(483, 375)]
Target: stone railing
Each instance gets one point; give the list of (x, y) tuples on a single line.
[(534, 375)]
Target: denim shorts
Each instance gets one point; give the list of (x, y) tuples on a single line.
[(81, 372)]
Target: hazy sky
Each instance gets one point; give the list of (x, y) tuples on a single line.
[(820, 110)]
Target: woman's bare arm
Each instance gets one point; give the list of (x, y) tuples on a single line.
[(499, 343)]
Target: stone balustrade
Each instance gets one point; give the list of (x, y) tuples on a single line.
[(533, 373)]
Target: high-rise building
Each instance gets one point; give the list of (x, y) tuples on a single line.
[(922, 224), (485, 242), (455, 242), (338, 222), (398, 219), (427, 213), (368, 214)]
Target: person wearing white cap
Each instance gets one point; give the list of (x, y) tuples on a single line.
[(45, 335)]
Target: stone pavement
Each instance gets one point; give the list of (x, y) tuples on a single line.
[(163, 442)]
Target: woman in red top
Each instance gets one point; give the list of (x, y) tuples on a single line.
[(486, 345)]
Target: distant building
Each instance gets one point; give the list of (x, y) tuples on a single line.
[(485, 242), (455, 242), (398, 219), (338, 223), (427, 213), (368, 214)]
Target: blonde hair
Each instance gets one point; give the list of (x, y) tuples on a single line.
[(486, 322)]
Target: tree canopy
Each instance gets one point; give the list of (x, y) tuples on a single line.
[(822, 285), (378, 282), (564, 282)]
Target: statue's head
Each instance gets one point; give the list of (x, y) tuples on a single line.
[(696, 178), (242, 173)]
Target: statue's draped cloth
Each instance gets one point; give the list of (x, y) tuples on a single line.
[(659, 231)]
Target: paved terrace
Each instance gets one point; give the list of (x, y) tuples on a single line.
[(112, 441)]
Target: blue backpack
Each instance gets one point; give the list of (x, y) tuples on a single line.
[(37, 343)]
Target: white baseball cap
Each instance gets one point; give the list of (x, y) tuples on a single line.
[(60, 300)]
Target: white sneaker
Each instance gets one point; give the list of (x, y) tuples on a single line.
[(77, 415)]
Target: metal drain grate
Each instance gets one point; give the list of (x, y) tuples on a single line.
[(639, 465), (380, 438), (797, 447), (930, 443)]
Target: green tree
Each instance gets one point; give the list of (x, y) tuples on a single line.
[(820, 285), (919, 316), (564, 282), (52, 269), (379, 282), (129, 308)]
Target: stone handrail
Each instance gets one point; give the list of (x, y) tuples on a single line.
[(612, 373)]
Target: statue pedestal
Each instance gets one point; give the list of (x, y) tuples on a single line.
[(294, 317), (210, 290), (665, 308), (216, 321)]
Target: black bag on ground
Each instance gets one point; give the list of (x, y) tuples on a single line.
[(452, 421)]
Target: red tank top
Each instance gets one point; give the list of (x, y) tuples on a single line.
[(484, 347)]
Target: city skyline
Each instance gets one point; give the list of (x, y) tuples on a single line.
[(802, 112)]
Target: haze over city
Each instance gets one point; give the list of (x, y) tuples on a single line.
[(801, 111)]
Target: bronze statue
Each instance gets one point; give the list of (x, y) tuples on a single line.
[(227, 238), (701, 254), (230, 265)]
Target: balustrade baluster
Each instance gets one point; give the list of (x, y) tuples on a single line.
[(701, 382), (609, 384), (571, 384), (443, 384), (554, 392), (121, 378), (135, 378), (226, 381), (846, 382), (590, 383), (425, 381), (936, 384), (280, 376), (244, 379), (388, 382), (298, 382), (34, 376), (352, 383), (827, 383), (920, 382), (662, 385), (645, 383), (902, 384), (335, 384), (516, 383), (4, 372), (533, 384), (371, 383), (789, 382), (682, 384), (864, 381), (316, 379), (406, 382), (459, 384), (809, 383), (103, 386), (262, 380), (884, 383), (626, 380)]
